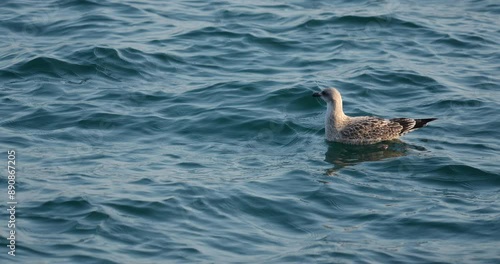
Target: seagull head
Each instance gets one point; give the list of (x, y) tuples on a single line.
[(329, 95)]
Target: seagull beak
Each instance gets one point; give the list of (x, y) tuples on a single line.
[(316, 95)]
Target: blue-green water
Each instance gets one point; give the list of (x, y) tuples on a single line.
[(185, 131)]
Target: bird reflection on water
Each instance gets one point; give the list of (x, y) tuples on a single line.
[(343, 155)]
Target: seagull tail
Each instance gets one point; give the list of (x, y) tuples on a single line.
[(422, 122)]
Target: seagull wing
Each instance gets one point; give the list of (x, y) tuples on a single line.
[(408, 124), (371, 129)]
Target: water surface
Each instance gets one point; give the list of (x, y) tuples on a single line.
[(185, 132)]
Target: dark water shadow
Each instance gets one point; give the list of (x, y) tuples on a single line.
[(343, 155)]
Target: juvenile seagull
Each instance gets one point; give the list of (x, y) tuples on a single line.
[(362, 130)]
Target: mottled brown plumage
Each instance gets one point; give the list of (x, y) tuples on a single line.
[(365, 129)]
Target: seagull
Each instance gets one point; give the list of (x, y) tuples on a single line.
[(362, 130)]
